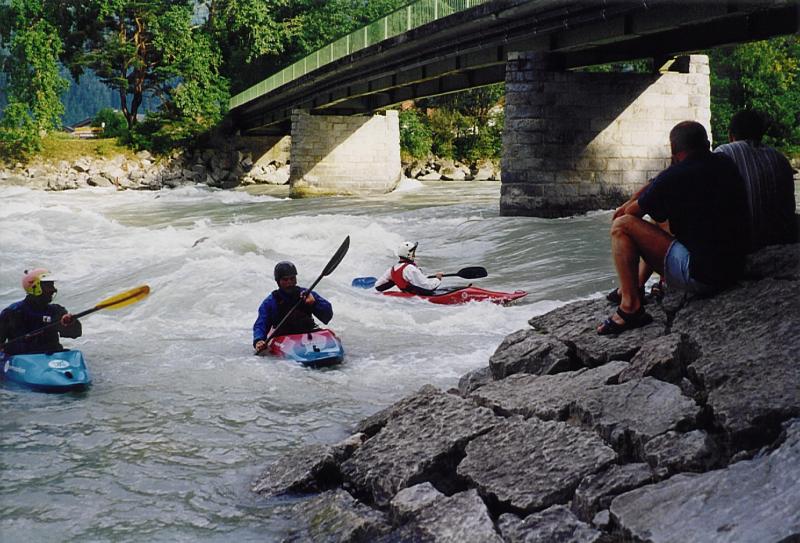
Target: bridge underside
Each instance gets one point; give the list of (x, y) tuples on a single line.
[(471, 49)]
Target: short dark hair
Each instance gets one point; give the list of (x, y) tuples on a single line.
[(747, 124), (689, 136)]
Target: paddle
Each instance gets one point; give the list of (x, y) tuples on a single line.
[(471, 272), (115, 302), (334, 261)]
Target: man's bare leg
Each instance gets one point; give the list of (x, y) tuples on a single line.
[(631, 239)]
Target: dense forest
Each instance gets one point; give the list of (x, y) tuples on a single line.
[(179, 61)]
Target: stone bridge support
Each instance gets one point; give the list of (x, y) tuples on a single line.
[(344, 155), (579, 141)]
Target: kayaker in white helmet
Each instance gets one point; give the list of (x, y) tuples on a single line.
[(277, 305), (33, 313), (406, 275)]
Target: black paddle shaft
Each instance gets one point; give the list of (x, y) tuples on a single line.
[(332, 264)]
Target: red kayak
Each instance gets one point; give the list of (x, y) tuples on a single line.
[(462, 295), (316, 349)]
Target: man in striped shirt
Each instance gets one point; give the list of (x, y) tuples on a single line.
[(768, 178)]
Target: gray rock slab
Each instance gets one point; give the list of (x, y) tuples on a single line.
[(776, 261), (532, 464), (575, 325), (412, 500), (750, 501), (473, 380), (664, 358), (554, 524), (336, 517), (749, 340), (461, 518), (547, 397), (675, 452), (310, 469), (528, 351), (629, 414), (420, 441), (596, 491)]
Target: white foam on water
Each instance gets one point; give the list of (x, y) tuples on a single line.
[(180, 407)]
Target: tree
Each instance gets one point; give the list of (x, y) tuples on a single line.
[(762, 75), (259, 37), (34, 84), (147, 47)]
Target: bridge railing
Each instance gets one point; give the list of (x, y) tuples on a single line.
[(399, 21)]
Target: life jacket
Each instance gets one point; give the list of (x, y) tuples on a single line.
[(397, 276), (23, 318), (300, 320)]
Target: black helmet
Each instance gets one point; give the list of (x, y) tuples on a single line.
[(284, 269)]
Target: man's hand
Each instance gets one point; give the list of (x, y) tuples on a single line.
[(310, 300), (67, 319), (439, 275), (260, 345)]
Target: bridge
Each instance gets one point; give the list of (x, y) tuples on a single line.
[(434, 47)]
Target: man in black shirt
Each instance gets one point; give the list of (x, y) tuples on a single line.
[(26, 323), (702, 196)]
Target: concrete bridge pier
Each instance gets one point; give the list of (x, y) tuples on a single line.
[(579, 141), (334, 154)]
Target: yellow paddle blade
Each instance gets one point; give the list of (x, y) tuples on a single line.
[(126, 298)]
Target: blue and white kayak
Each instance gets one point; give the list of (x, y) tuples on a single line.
[(52, 372), (316, 349)]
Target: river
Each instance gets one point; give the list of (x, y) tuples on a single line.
[(181, 416)]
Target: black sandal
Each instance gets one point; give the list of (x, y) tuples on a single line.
[(616, 298), (637, 319)]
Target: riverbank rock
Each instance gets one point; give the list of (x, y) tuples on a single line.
[(685, 430)]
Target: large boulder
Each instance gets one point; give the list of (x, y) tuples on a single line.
[(528, 465), (421, 440), (753, 500)]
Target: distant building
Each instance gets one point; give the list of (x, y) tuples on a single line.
[(84, 129)]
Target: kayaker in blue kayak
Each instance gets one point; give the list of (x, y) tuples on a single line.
[(275, 308), (21, 319), (406, 275)]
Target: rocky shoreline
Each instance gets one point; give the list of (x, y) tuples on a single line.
[(685, 430), (226, 167)]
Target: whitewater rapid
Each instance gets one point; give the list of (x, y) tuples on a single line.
[(181, 416)]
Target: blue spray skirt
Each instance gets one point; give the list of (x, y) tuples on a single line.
[(52, 372)]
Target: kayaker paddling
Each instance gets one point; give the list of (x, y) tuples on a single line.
[(277, 308), (35, 312), (406, 275)]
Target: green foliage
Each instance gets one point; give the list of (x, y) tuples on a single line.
[(467, 125), (415, 136), (144, 48), (259, 37), (764, 76), (33, 81), (113, 123)]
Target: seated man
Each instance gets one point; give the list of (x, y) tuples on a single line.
[(20, 321), (406, 275), (768, 179), (278, 306), (703, 197)]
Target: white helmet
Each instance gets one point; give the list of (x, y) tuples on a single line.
[(407, 250)]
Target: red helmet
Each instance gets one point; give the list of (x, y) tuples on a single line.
[(32, 280)]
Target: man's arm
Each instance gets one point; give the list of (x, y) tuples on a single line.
[(383, 282), (322, 308), (68, 326), (264, 321), (627, 208), (415, 276)]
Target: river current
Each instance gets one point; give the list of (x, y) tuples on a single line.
[(181, 416)]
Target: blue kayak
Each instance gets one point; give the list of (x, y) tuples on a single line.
[(52, 372), (316, 349)]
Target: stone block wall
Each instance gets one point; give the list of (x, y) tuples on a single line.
[(344, 155), (579, 141)]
